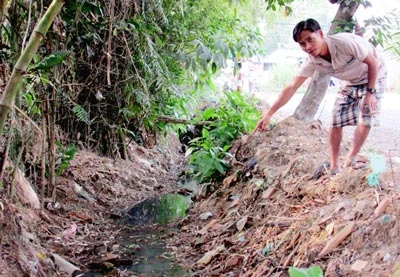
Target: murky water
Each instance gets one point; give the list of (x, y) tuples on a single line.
[(146, 232), (151, 258)]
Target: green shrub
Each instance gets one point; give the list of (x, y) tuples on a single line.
[(234, 116), (66, 155)]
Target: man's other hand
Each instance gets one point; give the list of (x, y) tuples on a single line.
[(371, 101)]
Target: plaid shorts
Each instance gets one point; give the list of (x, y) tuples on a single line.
[(347, 110)]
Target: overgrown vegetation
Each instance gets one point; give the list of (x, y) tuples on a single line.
[(233, 116), (108, 70)]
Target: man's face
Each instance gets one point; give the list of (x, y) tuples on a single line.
[(311, 42)]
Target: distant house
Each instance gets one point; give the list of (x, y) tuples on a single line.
[(284, 56)]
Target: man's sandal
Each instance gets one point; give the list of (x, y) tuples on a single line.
[(356, 164)]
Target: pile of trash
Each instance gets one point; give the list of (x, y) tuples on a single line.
[(278, 208)]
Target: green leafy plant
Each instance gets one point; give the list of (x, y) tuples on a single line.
[(67, 154), (50, 61), (314, 271), (32, 103), (233, 116), (380, 29), (81, 114), (274, 5)]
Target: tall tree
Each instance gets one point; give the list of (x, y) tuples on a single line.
[(316, 91)]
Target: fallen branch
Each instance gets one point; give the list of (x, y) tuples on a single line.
[(336, 240), (381, 207), (64, 265), (174, 120)]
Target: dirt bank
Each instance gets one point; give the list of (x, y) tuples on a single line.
[(272, 212)]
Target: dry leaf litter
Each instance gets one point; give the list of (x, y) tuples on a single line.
[(273, 210)]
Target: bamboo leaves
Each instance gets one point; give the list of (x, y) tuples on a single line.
[(50, 61)]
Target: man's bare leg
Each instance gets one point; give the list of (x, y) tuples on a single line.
[(335, 138), (360, 135)]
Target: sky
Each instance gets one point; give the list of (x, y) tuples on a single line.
[(379, 8)]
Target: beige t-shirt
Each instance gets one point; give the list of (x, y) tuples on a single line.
[(347, 54)]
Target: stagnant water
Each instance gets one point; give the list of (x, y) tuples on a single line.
[(147, 228)]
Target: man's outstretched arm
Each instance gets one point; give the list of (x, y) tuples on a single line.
[(282, 99)]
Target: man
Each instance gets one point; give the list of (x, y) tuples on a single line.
[(347, 57)]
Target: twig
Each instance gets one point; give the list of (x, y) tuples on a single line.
[(287, 218), (285, 264), (391, 166), (27, 25)]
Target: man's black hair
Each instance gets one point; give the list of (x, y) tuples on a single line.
[(308, 24)]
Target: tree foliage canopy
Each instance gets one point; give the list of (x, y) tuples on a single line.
[(114, 66)]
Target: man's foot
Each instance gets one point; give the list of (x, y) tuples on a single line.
[(355, 163), (333, 172)]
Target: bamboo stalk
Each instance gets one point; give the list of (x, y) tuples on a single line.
[(110, 35), (52, 144), (43, 158), (24, 60), (65, 265)]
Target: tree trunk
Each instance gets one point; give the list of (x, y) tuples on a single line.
[(39, 32), (316, 91), (3, 9)]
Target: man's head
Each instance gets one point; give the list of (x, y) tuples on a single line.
[(309, 24), (309, 36)]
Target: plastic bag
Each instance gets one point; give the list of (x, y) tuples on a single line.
[(378, 165)]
